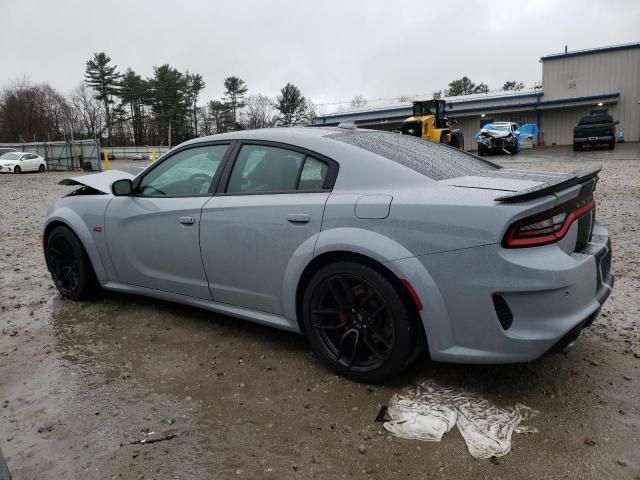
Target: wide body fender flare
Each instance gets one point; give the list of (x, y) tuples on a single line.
[(72, 220), (388, 253)]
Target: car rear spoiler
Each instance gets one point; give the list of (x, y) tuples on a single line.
[(555, 184)]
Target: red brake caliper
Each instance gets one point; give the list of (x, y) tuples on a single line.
[(343, 318)]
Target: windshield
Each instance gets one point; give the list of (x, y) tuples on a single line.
[(10, 156), (428, 108)]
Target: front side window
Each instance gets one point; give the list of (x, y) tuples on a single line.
[(186, 173)]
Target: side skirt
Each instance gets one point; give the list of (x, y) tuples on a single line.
[(255, 316)]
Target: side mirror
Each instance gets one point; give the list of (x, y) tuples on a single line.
[(454, 122), (122, 188), (617, 122)]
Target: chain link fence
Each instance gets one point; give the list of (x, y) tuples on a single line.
[(142, 152), (64, 156)]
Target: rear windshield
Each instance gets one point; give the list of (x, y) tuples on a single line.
[(438, 162), (592, 119)]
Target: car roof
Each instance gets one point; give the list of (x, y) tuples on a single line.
[(271, 134)]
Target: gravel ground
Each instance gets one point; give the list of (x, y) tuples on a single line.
[(80, 381)]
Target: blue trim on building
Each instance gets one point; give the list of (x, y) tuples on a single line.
[(519, 106), (535, 105), (589, 51)]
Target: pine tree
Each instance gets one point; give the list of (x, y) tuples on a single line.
[(103, 78), (464, 86), (481, 88), (134, 92), (291, 105), (195, 85), (235, 90), (169, 98), (512, 85), (220, 116)]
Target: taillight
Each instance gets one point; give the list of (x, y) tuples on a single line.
[(548, 227)]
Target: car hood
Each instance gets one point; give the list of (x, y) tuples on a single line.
[(8, 162), (100, 181)]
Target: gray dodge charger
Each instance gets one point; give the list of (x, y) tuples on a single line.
[(381, 248)]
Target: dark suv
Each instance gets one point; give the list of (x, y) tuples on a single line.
[(595, 130)]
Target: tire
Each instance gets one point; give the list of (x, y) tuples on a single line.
[(41, 168), (17, 170), (358, 323), (457, 139), (576, 147), (611, 146), (69, 265), (481, 151)]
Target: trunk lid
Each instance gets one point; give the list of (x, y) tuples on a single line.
[(513, 185)]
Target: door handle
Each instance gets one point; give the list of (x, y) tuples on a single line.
[(187, 220), (298, 218)]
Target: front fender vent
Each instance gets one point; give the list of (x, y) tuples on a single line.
[(502, 311)]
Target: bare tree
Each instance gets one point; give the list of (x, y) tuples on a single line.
[(260, 111), (205, 122), (358, 101), (26, 112), (88, 109)]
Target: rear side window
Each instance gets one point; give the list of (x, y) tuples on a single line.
[(266, 169), (593, 119), (313, 174), (438, 162)]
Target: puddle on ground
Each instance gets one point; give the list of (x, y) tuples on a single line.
[(427, 411)]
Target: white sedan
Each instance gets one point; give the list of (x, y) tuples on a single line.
[(18, 162)]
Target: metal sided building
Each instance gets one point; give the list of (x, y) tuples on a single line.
[(573, 84)]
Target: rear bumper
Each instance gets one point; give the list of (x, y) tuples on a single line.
[(594, 140), (551, 296)]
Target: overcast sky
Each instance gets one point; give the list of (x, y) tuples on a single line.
[(332, 50)]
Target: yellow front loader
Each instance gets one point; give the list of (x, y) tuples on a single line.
[(430, 122)]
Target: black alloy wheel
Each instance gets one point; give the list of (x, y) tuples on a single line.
[(357, 322), (17, 170), (69, 264), (41, 168)]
